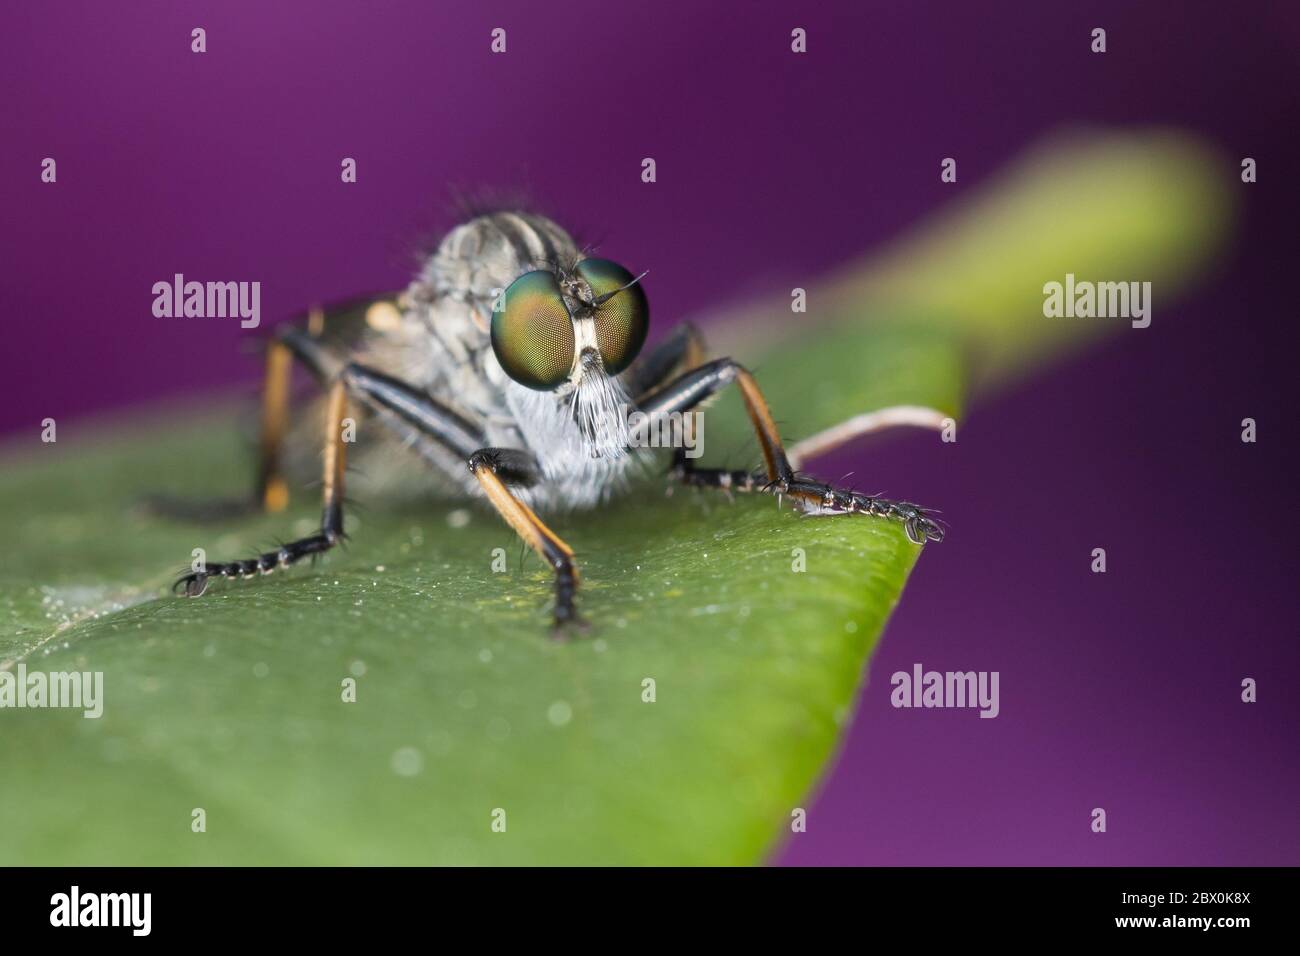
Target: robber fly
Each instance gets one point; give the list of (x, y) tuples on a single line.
[(510, 365)]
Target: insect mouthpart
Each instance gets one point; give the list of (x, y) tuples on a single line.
[(599, 405)]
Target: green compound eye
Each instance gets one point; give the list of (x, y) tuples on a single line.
[(623, 319), (532, 334)]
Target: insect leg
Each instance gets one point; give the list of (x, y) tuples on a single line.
[(331, 522), (815, 497), (682, 350), (495, 468), (293, 342), (490, 466), (290, 343), (272, 490), (432, 421), (693, 387), (867, 423)]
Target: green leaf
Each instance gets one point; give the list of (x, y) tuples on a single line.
[(233, 703)]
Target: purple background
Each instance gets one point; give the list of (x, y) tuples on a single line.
[(1118, 690)]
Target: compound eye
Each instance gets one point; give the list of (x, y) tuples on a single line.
[(532, 334), (622, 319)]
